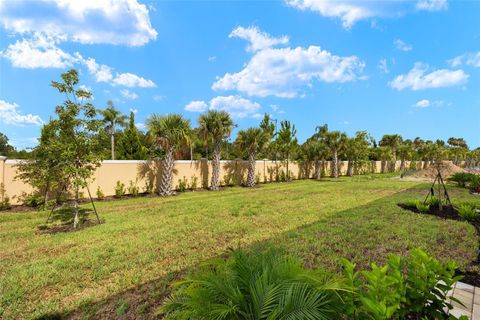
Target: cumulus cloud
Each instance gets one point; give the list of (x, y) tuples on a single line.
[(432, 5), (257, 39), (401, 45), (283, 72), (129, 94), (348, 12), (425, 103), (132, 80), (418, 78), (236, 106), (119, 22), (41, 51), (10, 114), (472, 59), (196, 106)]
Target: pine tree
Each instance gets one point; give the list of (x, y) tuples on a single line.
[(130, 146)]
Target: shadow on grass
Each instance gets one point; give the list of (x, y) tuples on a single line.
[(364, 234), (61, 220)]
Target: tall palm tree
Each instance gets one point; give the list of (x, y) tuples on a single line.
[(287, 141), (335, 140), (252, 140), (218, 125), (169, 132), (111, 119), (393, 141)]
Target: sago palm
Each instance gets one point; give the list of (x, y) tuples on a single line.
[(217, 125), (169, 132), (252, 141), (255, 287), (335, 140), (111, 119)]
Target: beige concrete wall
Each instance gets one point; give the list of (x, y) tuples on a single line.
[(143, 173)]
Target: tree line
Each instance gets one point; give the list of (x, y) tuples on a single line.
[(72, 144)]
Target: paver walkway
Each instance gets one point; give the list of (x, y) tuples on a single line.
[(470, 297)]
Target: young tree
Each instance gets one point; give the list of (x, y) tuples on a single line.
[(356, 150), (130, 146), (287, 141), (315, 151), (5, 148), (169, 132), (74, 147), (112, 118), (336, 141), (393, 141), (252, 141), (458, 147), (405, 152), (218, 125)]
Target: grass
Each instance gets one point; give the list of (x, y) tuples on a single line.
[(146, 240)]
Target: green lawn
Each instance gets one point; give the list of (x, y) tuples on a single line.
[(144, 242)]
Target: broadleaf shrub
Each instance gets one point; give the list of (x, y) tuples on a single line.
[(468, 211), (119, 189)]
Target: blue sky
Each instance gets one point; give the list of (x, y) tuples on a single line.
[(407, 67)]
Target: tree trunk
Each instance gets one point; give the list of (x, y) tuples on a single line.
[(288, 173), (335, 163), (318, 173), (215, 165), (402, 165), (76, 218), (167, 174), (251, 169), (350, 168), (112, 141)]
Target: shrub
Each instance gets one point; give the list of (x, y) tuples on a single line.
[(228, 180), (133, 189), (468, 211), (193, 183), (100, 194), (422, 208), (475, 184), (462, 178), (413, 287), (182, 184), (433, 202), (257, 286), (4, 199), (148, 188), (119, 189), (411, 203), (33, 200)]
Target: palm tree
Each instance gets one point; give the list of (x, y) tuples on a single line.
[(393, 141), (252, 140), (405, 151), (169, 132), (357, 150), (287, 141), (111, 119), (335, 140), (218, 125)]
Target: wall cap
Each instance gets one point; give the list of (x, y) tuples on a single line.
[(3, 158)]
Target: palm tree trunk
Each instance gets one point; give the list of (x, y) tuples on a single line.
[(167, 174), (335, 163), (215, 165), (350, 168), (251, 169), (112, 141), (402, 164), (318, 173)]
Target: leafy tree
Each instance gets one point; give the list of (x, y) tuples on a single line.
[(5, 148), (356, 150), (268, 126), (252, 140), (72, 138), (405, 151), (169, 132), (393, 141), (315, 151), (112, 118), (287, 141), (336, 142), (459, 148), (130, 146), (218, 126)]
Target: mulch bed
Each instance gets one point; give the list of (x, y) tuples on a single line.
[(66, 227), (450, 213)]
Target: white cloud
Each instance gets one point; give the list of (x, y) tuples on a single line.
[(101, 72), (401, 45), (237, 106), (472, 59), (9, 114), (425, 103), (133, 110), (274, 107), (132, 80), (212, 58), (129, 94), (158, 97), (39, 52), (432, 5), (258, 39), (116, 22), (349, 12), (419, 79), (140, 126), (196, 106), (283, 72), (383, 65)]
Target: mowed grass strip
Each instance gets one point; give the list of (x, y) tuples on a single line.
[(144, 239)]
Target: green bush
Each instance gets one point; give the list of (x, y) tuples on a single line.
[(182, 184), (462, 178), (411, 203), (33, 200), (422, 208), (475, 184), (193, 183), (119, 189), (4, 199), (263, 286), (468, 211), (133, 189), (100, 194)]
